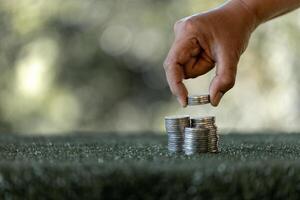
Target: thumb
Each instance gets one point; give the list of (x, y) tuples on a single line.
[(224, 79)]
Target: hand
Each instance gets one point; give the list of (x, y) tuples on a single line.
[(218, 37)]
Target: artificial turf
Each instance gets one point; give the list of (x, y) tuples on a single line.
[(111, 166)]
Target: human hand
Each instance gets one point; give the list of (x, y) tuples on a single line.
[(203, 41)]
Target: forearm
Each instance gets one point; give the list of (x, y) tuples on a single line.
[(265, 10)]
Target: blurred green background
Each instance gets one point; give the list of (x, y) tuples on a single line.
[(96, 65)]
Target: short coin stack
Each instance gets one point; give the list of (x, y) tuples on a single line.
[(195, 140), (198, 100), (208, 123), (175, 126)]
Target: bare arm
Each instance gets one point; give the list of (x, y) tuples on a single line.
[(265, 10)]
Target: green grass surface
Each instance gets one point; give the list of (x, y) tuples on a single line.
[(108, 166)]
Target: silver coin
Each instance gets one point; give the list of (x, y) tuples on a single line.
[(198, 100)]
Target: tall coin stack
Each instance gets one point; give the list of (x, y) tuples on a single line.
[(195, 140), (208, 123), (175, 126)]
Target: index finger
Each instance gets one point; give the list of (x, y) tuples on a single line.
[(175, 75), (181, 52)]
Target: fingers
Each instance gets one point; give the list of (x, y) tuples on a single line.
[(175, 76), (181, 52), (225, 77), (198, 66)]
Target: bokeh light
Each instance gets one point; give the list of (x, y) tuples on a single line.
[(97, 66)]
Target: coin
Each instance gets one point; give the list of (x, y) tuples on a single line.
[(198, 100)]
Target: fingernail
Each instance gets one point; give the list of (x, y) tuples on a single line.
[(181, 101), (218, 98)]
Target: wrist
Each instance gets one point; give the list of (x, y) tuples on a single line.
[(252, 9), (265, 10), (244, 12)]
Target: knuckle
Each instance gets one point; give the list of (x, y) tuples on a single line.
[(227, 81), (166, 65), (169, 63), (186, 24)]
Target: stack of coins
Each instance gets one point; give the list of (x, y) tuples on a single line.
[(208, 123), (198, 135), (195, 140), (198, 100), (175, 126)]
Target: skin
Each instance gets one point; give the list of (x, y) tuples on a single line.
[(217, 38)]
